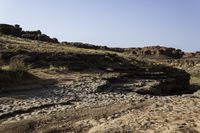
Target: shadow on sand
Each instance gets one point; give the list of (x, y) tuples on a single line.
[(25, 87)]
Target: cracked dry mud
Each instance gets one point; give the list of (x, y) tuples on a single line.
[(88, 103)]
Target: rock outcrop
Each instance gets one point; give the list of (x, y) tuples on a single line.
[(11, 30), (151, 51), (157, 51), (192, 55), (17, 31), (91, 46)]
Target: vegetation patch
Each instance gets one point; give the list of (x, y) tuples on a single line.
[(15, 71)]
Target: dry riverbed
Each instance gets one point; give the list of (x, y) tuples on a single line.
[(85, 102)]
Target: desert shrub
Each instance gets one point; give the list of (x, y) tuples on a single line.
[(18, 66)]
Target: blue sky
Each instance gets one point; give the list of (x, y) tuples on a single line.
[(116, 23)]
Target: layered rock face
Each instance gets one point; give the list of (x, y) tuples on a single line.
[(157, 51), (17, 31), (176, 58)]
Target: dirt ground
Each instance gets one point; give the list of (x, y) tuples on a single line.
[(72, 104)]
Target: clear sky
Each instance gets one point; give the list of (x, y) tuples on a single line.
[(116, 23)]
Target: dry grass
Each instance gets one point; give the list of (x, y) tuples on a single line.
[(15, 70), (18, 65), (15, 43)]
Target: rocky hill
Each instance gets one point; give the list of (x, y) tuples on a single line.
[(154, 51), (77, 87), (74, 59)]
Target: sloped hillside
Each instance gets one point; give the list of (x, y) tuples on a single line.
[(44, 55), (81, 89)]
